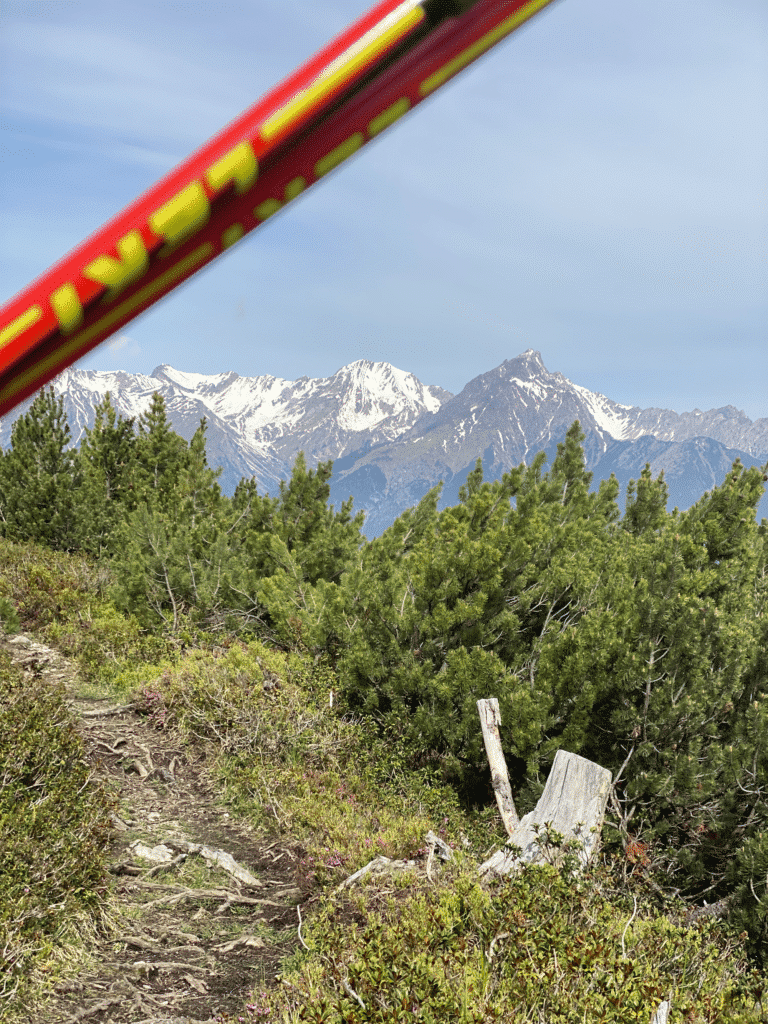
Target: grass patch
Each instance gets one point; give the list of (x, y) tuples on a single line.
[(540, 947), (292, 763), (62, 599), (55, 827)]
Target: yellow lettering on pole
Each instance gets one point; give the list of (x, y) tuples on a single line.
[(181, 216), (231, 235), (118, 274), (481, 45), (66, 304), (388, 116), (338, 155), (20, 325), (239, 165), (76, 344), (294, 188), (267, 208)]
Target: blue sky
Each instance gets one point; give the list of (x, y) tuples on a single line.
[(596, 188)]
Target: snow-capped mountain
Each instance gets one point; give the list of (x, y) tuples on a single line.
[(510, 413), (257, 425), (392, 437)]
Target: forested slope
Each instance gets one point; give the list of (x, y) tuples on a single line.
[(636, 640)]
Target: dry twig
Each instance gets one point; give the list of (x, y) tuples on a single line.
[(301, 940)]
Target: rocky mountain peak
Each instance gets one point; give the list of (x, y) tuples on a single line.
[(529, 364)]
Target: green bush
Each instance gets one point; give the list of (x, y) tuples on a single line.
[(293, 763), (46, 586), (536, 947), (638, 644), (62, 598), (9, 620), (107, 645), (244, 698)]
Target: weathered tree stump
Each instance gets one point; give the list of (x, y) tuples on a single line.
[(573, 804)]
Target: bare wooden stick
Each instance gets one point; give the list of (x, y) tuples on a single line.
[(441, 848), (490, 720), (220, 858), (349, 990), (378, 866), (96, 1008), (243, 940), (144, 967), (301, 940), (112, 750)]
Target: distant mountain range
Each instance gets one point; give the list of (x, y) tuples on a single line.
[(392, 437)]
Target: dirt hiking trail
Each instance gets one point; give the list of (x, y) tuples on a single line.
[(207, 905)]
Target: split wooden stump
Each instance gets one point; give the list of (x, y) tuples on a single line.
[(572, 804)]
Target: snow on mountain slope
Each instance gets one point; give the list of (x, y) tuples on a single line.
[(327, 416), (391, 437), (728, 425), (507, 415), (610, 417), (257, 425), (531, 377)]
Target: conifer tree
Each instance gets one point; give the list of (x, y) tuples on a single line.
[(296, 548), (569, 467), (203, 532), (198, 483), (254, 522), (640, 644), (173, 552), (107, 464), (160, 456), (646, 503), (660, 678), (37, 487), (320, 539)]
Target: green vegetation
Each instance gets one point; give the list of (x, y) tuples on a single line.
[(333, 682), (535, 947), (639, 644), (290, 761), (55, 829)]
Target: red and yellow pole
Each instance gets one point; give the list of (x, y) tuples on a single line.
[(361, 83)]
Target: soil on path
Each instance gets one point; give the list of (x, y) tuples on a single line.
[(193, 942)]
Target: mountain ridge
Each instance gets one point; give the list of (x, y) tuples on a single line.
[(392, 438)]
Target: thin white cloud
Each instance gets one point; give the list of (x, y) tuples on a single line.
[(104, 81), (118, 342)]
